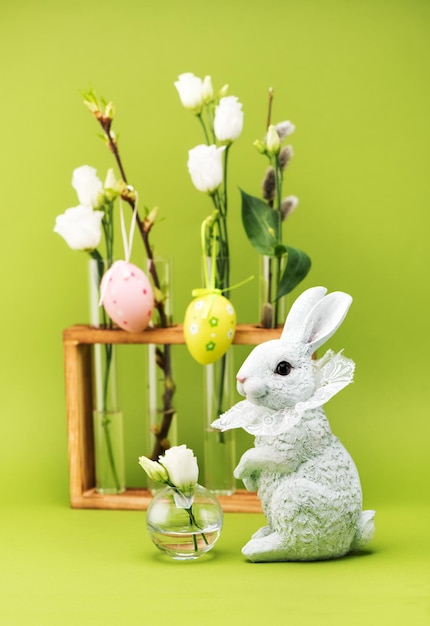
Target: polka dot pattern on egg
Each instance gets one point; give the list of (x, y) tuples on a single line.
[(127, 296)]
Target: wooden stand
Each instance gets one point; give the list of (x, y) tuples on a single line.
[(78, 342)]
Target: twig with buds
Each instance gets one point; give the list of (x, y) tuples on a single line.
[(104, 114)]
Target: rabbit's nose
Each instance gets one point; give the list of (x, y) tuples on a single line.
[(240, 379)]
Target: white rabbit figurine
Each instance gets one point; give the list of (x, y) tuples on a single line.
[(307, 482)]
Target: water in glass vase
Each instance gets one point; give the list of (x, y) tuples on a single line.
[(219, 447), (184, 534), (185, 545), (109, 451)]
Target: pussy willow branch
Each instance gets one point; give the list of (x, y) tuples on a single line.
[(164, 359), (273, 282), (269, 110)]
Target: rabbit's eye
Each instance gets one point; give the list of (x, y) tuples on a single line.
[(283, 368)]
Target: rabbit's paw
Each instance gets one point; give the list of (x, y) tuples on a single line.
[(246, 465), (256, 459), (245, 472), (265, 547), (262, 532)]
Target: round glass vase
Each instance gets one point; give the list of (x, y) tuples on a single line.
[(161, 411), (107, 416), (272, 311), (184, 531), (219, 447)]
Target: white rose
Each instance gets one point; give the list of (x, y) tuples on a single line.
[(154, 470), (228, 121), (205, 167), (88, 186), (190, 89), (181, 465), (80, 227)]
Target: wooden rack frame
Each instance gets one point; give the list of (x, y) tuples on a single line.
[(78, 354)]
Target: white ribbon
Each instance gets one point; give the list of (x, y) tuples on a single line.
[(333, 372), (127, 243)]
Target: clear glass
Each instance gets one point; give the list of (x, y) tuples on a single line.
[(219, 447), (160, 397), (184, 534), (272, 312), (109, 452), (107, 416), (162, 417)]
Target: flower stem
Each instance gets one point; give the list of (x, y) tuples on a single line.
[(269, 112), (194, 523), (205, 132), (105, 425), (278, 280), (108, 351), (220, 395)]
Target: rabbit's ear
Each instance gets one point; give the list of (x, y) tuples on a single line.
[(300, 310), (325, 318)]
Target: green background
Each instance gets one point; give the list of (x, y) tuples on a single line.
[(353, 77)]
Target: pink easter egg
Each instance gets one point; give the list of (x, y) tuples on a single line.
[(127, 296)]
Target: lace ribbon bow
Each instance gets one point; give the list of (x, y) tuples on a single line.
[(333, 372)]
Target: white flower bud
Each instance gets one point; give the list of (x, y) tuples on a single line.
[(207, 89), (223, 91), (260, 146), (154, 470), (111, 187), (228, 122), (109, 110), (273, 142), (88, 186)]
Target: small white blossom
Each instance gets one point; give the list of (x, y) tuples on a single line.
[(111, 186), (207, 89), (228, 122), (190, 89), (205, 167), (88, 186), (223, 91), (154, 470), (273, 142), (80, 227)]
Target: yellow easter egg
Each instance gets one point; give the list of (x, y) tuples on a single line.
[(209, 327)]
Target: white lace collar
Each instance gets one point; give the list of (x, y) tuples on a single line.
[(333, 372)]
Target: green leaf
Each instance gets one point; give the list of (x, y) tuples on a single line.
[(298, 266), (260, 222)]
